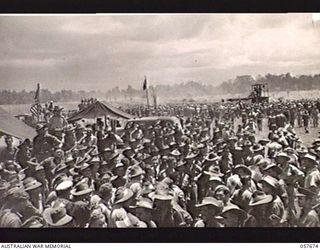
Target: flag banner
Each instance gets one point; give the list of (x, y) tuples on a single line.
[(145, 85), (36, 109), (37, 95)]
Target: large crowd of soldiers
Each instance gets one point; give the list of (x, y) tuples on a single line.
[(213, 171)]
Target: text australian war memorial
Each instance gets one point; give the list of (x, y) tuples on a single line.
[(245, 153)]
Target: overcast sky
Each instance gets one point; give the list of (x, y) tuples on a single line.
[(100, 52)]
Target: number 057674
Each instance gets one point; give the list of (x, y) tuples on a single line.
[(308, 246)]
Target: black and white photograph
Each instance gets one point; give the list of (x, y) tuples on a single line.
[(160, 121)]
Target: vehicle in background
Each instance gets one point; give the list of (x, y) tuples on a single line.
[(146, 122)]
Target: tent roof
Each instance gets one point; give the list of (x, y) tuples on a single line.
[(12, 126), (99, 109)]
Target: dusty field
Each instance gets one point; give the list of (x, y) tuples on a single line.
[(306, 139), (25, 108)]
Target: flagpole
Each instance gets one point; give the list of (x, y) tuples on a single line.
[(154, 98), (37, 100), (147, 94), (36, 108)]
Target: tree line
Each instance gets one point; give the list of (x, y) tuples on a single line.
[(239, 85), (28, 97), (282, 82)]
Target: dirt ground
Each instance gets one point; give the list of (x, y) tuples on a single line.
[(306, 139)]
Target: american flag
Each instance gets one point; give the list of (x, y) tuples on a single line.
[(36, 108)]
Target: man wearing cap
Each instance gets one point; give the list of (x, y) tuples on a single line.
[(53, 163), (306, 118), (290, 173), (61, 186), (259, 120), (40, 175), (44, 143), (33, 188), (136, 133), (17, 200), (260, 212), (70, 140), (226, 159), (273, 148), (34, 222), (203, 150), (119, 172), (190, 185), (8, 153), (233, 216), (307, 217), (237, 155), (89, 140), (280, 120), (80, 131), (271, 186), (106, 140), (272, 121), (111, 157), (209, 209), (309, 165), (105, 192), (164, 214), (135, 176), (58, 217), (143, 211), (223, 194), (178, 194), (241, 174), (57, 120), (86, 172), (120, 206), (9, 171), (210, 168), (242, 194), (170, 170), (23, 154), (81, 195), (160, 167), (9, 219), (97, 219)]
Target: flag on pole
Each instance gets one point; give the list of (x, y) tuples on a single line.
[(36, 108), (155, 101), (145, 84), (37, 95), (145, 88)]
